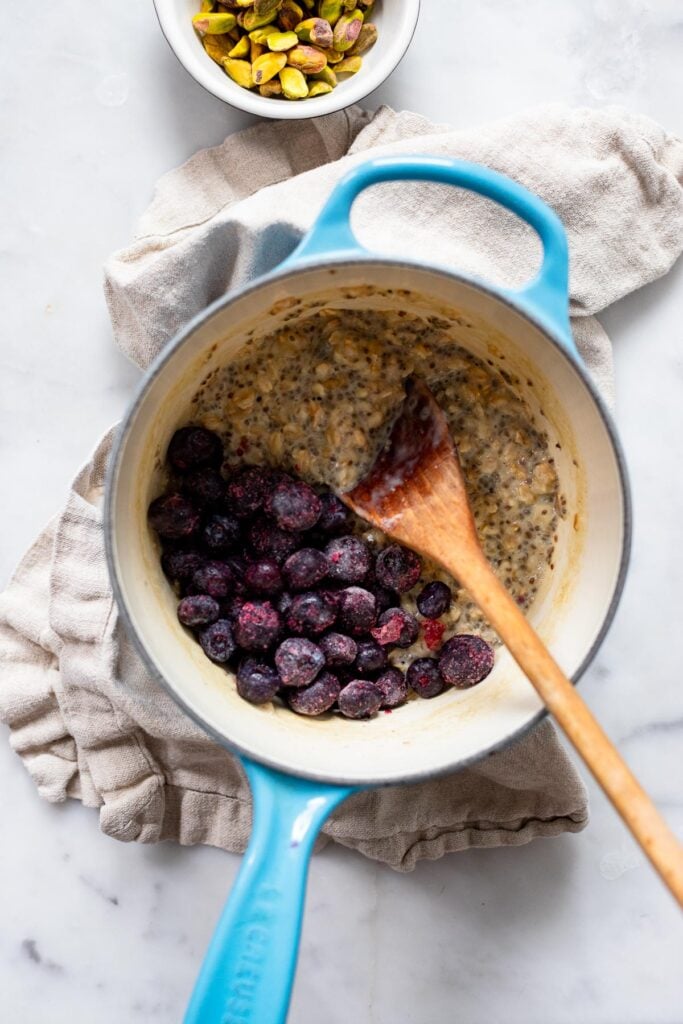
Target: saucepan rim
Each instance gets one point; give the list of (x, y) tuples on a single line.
[(199, 320)]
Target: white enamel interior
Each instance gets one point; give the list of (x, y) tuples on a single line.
[(425, 736), (395, 20)]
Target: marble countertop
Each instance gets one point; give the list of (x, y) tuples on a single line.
[(94, 109)]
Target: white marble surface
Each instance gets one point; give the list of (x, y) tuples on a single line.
[(94, 108)]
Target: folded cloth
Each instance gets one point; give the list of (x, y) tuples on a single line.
[(84, 716)]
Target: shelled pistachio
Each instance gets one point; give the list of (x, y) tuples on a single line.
[(266, 7), (347, 30), (252, 20), (331, 10), (349, 66), (316, 31), (290, 15), (307, 59), (239, 71), (218, 47), (366, 39), (266, 67), (293, 83), (280, 41), (327, 75), (259, 35), (319, 89), (240, 49), (271, 88), (214, 23)]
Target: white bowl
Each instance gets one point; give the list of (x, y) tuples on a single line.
[(395, 20)]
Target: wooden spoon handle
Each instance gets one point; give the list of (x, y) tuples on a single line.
[(563, 701)]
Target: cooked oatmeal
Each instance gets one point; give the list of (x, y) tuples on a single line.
[(319, 395)]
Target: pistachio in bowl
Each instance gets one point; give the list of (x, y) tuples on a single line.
[(284, 49)]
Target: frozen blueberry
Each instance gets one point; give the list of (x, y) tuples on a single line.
[(258, 626), (396, 628), (192, 447), (305, 568), (357, 610), (315, 699), (173, 516), (370, 658), (238, 567), (214, 578), (349, 559), (180, 566), (398, 567), (335, 517), (269, 541), (232, 606), (424, 677), (434, 600), (384, 597), (294, 505), (264, 577), (217, 641), (312, 613), (298, 661), (257, 682), (248, 489), (465, 660), (221, 533), (393, 687), (198, 610), (205, 486), (338, 649), (359, 699)]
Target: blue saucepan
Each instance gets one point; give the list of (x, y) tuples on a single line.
[(299, 769)]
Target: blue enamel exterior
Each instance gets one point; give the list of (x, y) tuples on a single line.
[(247, 974), (249, 968), (545, 299)]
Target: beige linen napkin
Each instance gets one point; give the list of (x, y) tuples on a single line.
[(84, 716)]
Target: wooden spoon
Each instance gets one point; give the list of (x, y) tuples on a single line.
[(415, 493)]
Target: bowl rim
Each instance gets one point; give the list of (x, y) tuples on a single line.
[(263, 106), (199, 320)]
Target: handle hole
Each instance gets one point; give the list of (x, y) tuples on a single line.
[(451, 226)]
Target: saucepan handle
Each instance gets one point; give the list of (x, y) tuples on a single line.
[(247, 974), (545, 298)]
